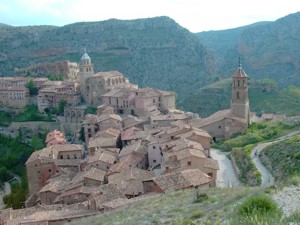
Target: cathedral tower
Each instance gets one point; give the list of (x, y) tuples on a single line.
[(86, 70), (239, 100)]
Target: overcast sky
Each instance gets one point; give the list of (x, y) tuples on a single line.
[(195, 15)]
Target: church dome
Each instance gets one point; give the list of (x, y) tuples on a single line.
[(85, 56)]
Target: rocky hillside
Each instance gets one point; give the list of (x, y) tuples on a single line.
[(154, 52), (267, 49)]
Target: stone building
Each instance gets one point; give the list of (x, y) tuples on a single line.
[(52, 94), (225, 123), (45, 163), (93, 86), (142, 102), (74, 114), (14, 97)]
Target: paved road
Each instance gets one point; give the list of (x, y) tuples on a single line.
[(225, 175), (267, 178)]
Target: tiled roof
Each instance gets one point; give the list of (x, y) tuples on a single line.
[(129, 134), (102, 156), (34, 156), (135, 147), (186, 153), (217, 116), (111, 131), (126, 162), (240, 73), (108, 74), (104, 117), (106, 193), (102, 142), (178, 144), (211, 163), (181, 179), (132, 173), (95, 174), (56, 186)]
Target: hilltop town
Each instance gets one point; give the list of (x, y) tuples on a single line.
[(136, 146)]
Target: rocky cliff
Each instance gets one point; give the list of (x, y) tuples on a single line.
[(154, 52)]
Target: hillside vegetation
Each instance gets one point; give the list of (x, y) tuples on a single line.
[(282, 159), (264, 96), (267, 49)]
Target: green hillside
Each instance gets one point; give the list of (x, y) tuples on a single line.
[(264, 95), (283, 159)]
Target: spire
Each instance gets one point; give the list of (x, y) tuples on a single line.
[(240, 72)]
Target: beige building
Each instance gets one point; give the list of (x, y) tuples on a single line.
[(14, 97), (94, 123), (142, 102), (53, 92), (93, 86), (45, 163), (6, 82)]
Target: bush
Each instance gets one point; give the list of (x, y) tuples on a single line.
[(258, 205), (201, 198), (295, 180)]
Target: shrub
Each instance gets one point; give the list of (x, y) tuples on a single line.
[(201, 198), (258, 205), (295, 180)]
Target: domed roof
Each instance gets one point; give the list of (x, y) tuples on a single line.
[(85, 56)]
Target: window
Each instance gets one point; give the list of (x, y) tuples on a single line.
[(238, 95), (189, 163), (219, 127), (154, 147), (75, 156), (153, 100), (68, 157), (61, 157), (210, 174), (238, 82), (49, 170), (154, 160)]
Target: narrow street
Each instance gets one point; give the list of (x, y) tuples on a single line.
[(225, 175)]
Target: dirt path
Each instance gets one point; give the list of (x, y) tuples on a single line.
[(266, 176), (225, 175)]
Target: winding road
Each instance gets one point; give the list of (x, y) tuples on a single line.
[(266, 178), (225, 175)]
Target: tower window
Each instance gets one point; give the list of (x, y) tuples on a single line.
[(238, 95), (238, 82)]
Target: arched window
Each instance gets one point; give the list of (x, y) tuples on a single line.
[(238, 95), (238, 82)]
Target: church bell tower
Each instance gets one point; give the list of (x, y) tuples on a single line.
[(239, 100), (86, 70)]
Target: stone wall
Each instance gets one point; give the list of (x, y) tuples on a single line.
[(35, 126)]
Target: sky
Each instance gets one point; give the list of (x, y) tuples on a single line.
[(195, 15)]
